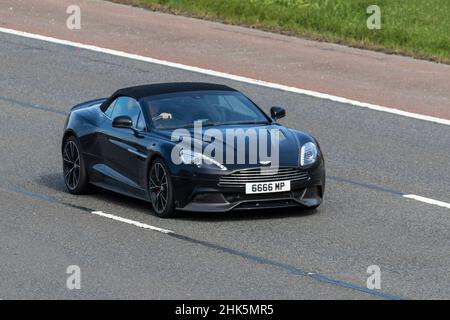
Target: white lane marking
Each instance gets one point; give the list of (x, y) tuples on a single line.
[(228, 76), (427, 200), (132, 222)]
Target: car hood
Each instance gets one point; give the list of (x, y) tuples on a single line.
[(290, 142)]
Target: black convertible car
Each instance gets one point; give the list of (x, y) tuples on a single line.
[(138, 142)]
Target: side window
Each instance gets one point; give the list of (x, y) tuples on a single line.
[(110, 109), (126, 106)]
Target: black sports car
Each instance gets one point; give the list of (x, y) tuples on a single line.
[(193, 147)]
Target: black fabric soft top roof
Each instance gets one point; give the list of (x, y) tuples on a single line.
[(147, 90), (139, 92)]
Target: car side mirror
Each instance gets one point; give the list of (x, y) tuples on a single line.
[(277, 113), (123, 122)]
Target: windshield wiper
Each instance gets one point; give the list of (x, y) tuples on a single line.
[(249, 122), (190, 126), (211, 124)]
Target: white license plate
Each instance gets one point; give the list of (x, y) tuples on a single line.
[(268, 187)]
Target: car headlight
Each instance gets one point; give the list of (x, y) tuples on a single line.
[(308, 154), (195, 158)]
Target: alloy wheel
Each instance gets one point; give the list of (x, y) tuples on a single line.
[(159, 192), (71, 159)]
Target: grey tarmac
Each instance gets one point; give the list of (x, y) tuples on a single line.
[(372, 159)]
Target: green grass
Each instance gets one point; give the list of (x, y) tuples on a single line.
[(418, 28)]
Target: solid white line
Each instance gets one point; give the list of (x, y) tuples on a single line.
[(428, 200), (228, 76), (132, 222)]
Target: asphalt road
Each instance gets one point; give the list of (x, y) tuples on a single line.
[(372, 159)]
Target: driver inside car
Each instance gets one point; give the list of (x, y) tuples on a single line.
[(156, 115)]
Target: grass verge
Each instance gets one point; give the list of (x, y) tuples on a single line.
[(417, 28)]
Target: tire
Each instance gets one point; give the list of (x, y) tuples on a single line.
[(161, 189), (74, 169)]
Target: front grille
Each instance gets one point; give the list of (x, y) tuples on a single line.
[(255, 175)]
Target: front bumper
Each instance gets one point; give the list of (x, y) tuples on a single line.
[(203, 193)]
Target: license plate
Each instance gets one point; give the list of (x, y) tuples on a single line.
[(268, 187)]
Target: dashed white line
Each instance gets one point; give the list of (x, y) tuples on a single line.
[(427, 200), (132, 222), (228, 76)]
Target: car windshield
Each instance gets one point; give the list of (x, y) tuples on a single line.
[(181, 110)]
